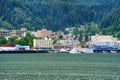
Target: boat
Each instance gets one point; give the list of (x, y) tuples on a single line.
[(87, 50), (63, 50), (75, 51)]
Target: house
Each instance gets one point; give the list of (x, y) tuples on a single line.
[(4, 33), (19, 33), (43, 33)]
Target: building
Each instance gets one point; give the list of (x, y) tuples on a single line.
[(70, 29), (69, 42), (103, 39), (22, 47), (58, 35), (4, 33), (20, 33), (23, 29), (40, 44), (118, 42), (69, 37), (33, 33), (43, 33)]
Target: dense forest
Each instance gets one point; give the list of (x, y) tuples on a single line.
[(59, 14)]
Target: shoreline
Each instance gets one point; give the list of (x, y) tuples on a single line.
[(24, 52)]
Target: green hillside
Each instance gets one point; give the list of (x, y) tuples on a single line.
[(59, 14)]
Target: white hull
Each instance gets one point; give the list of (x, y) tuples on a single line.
[(74, 51), (86, 50), (63, 51)]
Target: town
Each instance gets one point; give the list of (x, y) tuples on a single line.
[(55, 42)]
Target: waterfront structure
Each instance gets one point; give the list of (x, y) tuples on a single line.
[(22, 47), (43, 33), (99, 39), (7, 49), (104, 43), (40, 43)]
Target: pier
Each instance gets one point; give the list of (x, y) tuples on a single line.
[(23, 51), (106, 50)]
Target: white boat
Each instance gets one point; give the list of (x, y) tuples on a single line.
[(74, 51), (62, 50), (87, 50)]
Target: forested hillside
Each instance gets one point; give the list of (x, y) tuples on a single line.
[(15, 14), (59, 14)]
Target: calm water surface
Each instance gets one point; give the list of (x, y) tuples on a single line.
[(60, 66)]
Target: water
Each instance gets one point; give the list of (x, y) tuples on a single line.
[(59, 66)]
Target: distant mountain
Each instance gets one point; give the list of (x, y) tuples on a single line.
[(58, 14)]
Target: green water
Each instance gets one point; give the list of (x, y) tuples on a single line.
[(59, 67)]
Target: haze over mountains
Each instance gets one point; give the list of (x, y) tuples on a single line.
[(59, 14)]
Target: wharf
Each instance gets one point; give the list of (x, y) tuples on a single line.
[(106, 50), (23, 51)]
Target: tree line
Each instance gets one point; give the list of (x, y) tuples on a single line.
[(27, 40), (59, 14)]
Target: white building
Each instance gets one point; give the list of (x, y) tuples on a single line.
[(103, 40), (33, 33), (38, 43), (19, 33), (69, 42)]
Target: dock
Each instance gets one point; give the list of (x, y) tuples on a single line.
[(106, 50), (23, 51)]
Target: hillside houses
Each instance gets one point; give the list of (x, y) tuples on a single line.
[(59, 38)]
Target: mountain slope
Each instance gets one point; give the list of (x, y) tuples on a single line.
[(15, 14), (57, 14)]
